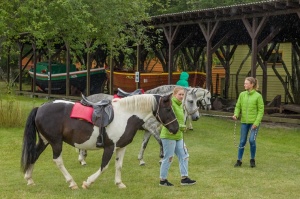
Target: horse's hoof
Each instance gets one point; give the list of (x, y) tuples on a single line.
[(30, 182), (121, 185), (142, 163), (74, 187), (85, 185)]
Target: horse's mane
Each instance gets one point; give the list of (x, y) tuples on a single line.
[(167, 89), (201, 92), (162, 90), (144, 102)]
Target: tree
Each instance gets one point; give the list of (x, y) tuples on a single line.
[(83, 24)]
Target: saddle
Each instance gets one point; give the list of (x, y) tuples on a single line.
[(122, 93), (103, 112)]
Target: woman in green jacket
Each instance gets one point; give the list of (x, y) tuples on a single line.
[(173, 143), (251, 107)]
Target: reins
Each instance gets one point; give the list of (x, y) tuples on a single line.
[(192, 112), (204, 100), (234, 130)]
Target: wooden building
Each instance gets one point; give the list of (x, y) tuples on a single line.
[(231, 30)]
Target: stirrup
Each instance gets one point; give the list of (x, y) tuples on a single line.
[(99, 144)]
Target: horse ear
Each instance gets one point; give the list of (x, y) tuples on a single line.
[(167, 98), (195, 90)]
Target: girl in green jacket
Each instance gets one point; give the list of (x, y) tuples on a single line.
[(251, 106), (173, 143)]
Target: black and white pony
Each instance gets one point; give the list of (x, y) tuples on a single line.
[(151, 126), (51, 124)]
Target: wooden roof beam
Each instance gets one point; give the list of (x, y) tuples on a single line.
[(192, 15), (209, 14), (280, 5), (226, 11), (246, 10), (268, 7), (200, 14), (236, 11), (292, 4), (256, 8), (218, 13)]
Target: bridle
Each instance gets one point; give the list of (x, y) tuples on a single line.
[(203, 100), (158, 117)]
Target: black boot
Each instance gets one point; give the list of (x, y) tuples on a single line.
[(238, 163), (252, 163)]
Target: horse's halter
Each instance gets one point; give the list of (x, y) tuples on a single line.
[(158, 117), (203, 100)]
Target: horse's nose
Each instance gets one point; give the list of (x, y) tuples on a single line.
[(196, 118)]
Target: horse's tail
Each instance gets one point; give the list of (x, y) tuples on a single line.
[(29, 141)]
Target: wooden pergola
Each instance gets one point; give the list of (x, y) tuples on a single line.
[(253, 24)]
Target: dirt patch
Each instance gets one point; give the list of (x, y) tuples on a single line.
[(280, 125)]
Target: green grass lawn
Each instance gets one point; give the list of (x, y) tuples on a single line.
[(212, 156)]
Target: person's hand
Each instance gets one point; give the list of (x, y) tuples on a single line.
[(234, 117), (182, 127), (253, 127)]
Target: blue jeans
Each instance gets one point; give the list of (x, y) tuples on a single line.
[(170, 147), (245, 128)]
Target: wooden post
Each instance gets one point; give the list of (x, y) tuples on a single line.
[(20, 45), (8, 65), (254, 31), (88, 69), (170, 33), (68, 69), (34, 68), (209, 30), (138, 56)]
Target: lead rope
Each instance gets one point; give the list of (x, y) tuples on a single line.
[(234, 130), (255, 134)]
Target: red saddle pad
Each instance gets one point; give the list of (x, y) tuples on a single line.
[(82, 112)]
